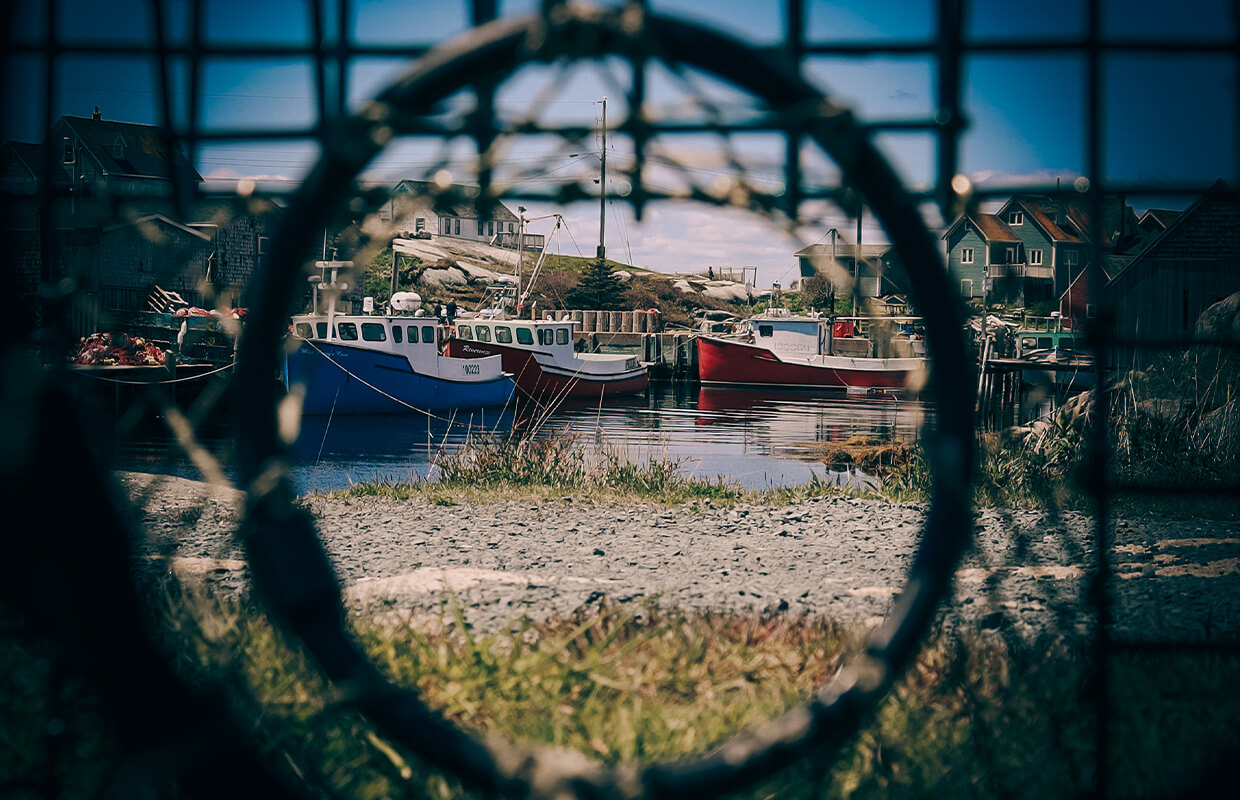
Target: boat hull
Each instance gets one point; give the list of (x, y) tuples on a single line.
[(547, 383), (732, 362), (340, 379)]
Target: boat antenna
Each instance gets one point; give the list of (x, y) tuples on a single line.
[(602, 191), (520, 245)]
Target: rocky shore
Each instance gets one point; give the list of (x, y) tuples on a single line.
[(842, 557)]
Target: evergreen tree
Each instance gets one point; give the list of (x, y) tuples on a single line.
[(599, 289)]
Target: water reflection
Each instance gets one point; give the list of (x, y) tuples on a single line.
[(748, 437)]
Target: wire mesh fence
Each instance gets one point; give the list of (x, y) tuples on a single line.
[(784, 149)]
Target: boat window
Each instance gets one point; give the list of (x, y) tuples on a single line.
[(483, 332), (464, 331), (397, 334), (503, 334), (428, 333), (374, 332), (1067, 343), (1044, 343), (765, 330), (413, 334), (303, 330), (561, 335), (321, 329), (544, 336), (347, 331), (1028, 343), (524, 336)]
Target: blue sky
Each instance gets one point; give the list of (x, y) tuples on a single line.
[(1169, 118)]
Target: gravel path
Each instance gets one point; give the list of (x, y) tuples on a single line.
[(838, 556)]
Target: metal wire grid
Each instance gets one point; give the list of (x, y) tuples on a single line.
[(948, 48)]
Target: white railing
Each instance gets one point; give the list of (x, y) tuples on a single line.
[(1020, 271)]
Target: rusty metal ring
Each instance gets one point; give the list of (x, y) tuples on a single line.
[(291, 570)]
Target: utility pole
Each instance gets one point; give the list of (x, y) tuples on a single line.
[(520, 245), (602, 193), (857, 261)]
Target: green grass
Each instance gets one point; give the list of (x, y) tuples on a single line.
[(566, 468), (974, 717)]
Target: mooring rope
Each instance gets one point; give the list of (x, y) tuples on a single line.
[(371, 386), (106, 379)]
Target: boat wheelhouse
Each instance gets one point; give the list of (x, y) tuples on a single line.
[(542, 357), (1062, 356), (781, 349)]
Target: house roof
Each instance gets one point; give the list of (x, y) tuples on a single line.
[(1051, 215), (1070, 219), (989, 226), (151, 219), (1164, 217), (26, 153), (1221, 244), (143, 154), (843, 250), (459, 201)]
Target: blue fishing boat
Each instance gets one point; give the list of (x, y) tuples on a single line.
[(386, 364)]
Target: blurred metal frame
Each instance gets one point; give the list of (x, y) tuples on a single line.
[(948, 48)]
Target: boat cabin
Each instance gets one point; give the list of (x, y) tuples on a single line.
[(792, 336), (419, 339), (1043, 334), (545, 336)]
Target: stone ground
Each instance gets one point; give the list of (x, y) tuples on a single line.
[(842, 557)]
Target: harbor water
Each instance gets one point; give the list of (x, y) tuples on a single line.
[(752, 438)]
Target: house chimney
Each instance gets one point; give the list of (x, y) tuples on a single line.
[(96, 114)]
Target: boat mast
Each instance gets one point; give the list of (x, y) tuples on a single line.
[(602, 192)]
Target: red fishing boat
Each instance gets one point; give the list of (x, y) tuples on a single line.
[(778, 348)]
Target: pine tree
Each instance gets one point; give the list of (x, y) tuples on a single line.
[(599, 289)]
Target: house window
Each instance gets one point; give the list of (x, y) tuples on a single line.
[(966, 288), (1016, 218), (447, 225), (510, 227), (262, 247), (458, 227), (69, 155), (480, 226), (966, 255), (118, 148), (1035, 258), (1010, 256), (491, 228), (419, 224), (1071, 257)]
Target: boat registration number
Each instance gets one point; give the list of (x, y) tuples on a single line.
[(471, 369)]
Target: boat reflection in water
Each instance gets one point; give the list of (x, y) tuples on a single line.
[(333, 453), (752, 438)]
